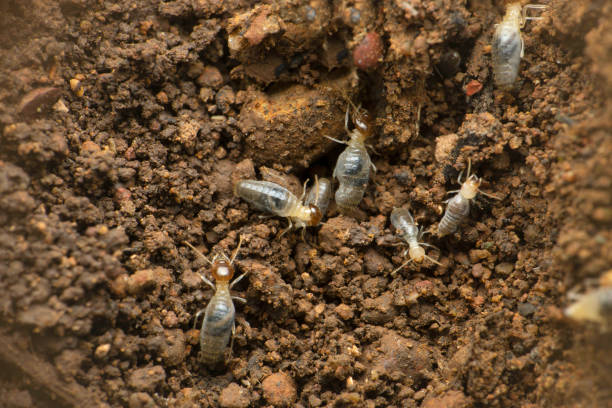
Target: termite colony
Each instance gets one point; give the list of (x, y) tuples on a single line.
[(352, 173)]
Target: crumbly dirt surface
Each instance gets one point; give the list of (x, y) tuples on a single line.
[(123, 126)]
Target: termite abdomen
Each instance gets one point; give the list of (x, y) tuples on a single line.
[(266, 196), (353, 173), (457, 210), (320, 195)]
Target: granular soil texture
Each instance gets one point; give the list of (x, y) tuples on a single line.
[(123, 126)]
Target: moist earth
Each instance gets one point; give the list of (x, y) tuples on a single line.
[(124, 126)]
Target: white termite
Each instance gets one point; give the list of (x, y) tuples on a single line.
[(218, 325), (508, 46), (403, 222), (458, 207), (276, 199), (320, 195), (353, 166)]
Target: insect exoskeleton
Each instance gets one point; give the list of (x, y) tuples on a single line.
[(218, 325), (595, 305), (320, 195), (403, 222), (508, 45), (353, 166), (458, 207), (276, 199)]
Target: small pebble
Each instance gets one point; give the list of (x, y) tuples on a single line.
[(473, 87), (146, 379), (369, 51), (234, 396), (102, 351), (279, 389), (526, 309), (38, 98)]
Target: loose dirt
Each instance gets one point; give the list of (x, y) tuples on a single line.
[(123, 126)]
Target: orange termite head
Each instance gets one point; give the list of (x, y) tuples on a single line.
[(470, 187), (314, 215), (363, 123), (222, 271)]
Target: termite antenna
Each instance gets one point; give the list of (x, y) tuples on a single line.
[(400, 267), (198, 253), (240, 239), (431, 259)]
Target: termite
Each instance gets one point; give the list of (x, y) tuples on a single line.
[(353, 166), (458, 207), (320, 195), (271, 197), (403, 222), (594, 306), (508, 45), (218, 325)]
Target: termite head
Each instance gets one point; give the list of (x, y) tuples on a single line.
[(363, 125), (469, 188), (314, 215), (222, 271), (417, 254), (513, 12)]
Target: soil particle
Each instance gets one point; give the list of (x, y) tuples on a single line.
[(379, 310), (141, 400), (37, 99), (369, 51), (401, 359), (146, 378), (234, 396), (40, 316), (279, 389), (289, 127), (450, 399)]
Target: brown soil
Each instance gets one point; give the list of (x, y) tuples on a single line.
[(124, 124)]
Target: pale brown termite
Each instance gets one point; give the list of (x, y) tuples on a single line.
[(218, 325), (320, 195), (458, 207), (403, 222), (595, 305), (508, 45), (353, 166), (271, 197)]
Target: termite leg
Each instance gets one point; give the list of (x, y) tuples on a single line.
[(238, 279), (209, 283), (286, 229), (336, 140), (490, 195), (197, 316), (531, 7)]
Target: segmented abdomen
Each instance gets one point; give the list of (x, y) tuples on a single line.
[(457, 209), (402, 221), (266, 196), (353, 173), (320, 195), (216, 329), (507, 46)]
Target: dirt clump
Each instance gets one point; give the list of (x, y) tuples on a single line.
[(125, 125)]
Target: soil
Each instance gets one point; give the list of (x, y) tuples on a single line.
[(123, 126)]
